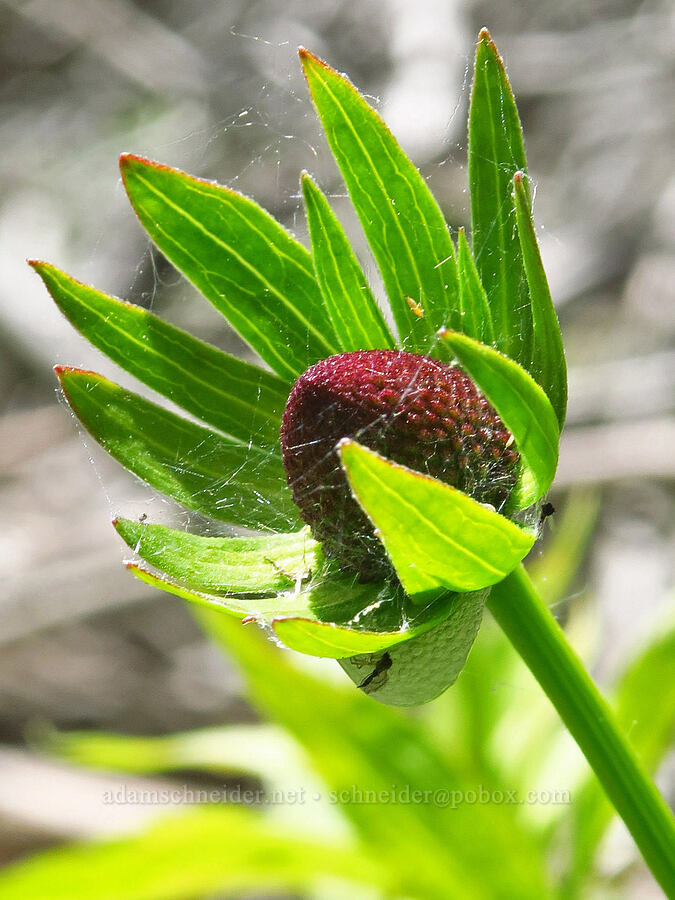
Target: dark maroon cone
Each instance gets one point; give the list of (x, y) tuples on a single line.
[(415, 410)]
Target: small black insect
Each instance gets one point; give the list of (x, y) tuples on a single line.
[(547, 510), (382, 665)]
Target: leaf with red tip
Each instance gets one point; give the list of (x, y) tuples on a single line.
[(232, 395), (204, 471), (496, 153), (401, 219), (252, 270)]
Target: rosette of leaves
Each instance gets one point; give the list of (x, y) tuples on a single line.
[(483, 305)]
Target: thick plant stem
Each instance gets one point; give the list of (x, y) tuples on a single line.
[(540, 641)]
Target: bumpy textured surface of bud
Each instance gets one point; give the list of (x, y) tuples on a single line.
[(413, 409)]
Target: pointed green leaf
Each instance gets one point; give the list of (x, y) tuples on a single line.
[(252, 270), (341, 605), (324, 639), (378, 617), (378, 622), (204, 471), (475, 310), (356, 317), (548, 356), (331, 615), (270, 564), (522, 406), (224, 851), (337, 605), (240, 399), (228, 603), (402, 221), (496, 153), (434, 534)]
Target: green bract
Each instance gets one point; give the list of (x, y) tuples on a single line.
[(486, 306)]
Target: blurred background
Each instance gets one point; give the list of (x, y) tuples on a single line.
[(215, 88)]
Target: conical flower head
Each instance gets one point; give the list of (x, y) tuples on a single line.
[(415, 410)]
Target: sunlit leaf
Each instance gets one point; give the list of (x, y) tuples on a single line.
[(548, 356), (240, 399), (202, 470), (240, 258), (223, 851), (356, 317), (496, 153), (324, 639), (331, 615), (435, 534), (269, 564), (522, 406), (402, 221), (386, 617), (476, 314)]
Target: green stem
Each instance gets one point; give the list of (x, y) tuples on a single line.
[(540, 641)]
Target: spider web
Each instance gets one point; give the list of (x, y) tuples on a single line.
[(285, 143)]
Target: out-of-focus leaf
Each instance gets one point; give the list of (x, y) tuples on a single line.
[(269, 564), (262, 751), (563, 552), (257, 750), (361, 750), (645, 710), (496, 153), (475, 310), (240, 399), (435, 535), (404, 226), (223, 851), (466, 719), (202, 470), (522, 406), (252, 270), (356, 317), (548, 355), (332, 616)]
